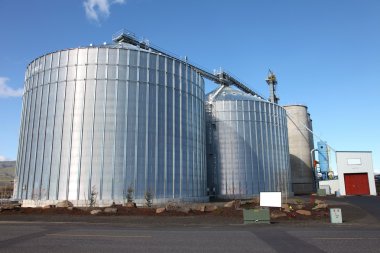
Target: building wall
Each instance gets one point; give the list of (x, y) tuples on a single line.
[(365, 166), (333, 184), (104, 119)]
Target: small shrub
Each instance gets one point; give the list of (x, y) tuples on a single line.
[(149, 198), (130, 192), (93, 195)]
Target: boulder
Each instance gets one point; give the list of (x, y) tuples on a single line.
[(64, 203), (238, 203), (318, 201), (7, 207), (200, 208), (160, 210), (110, 210), (256, 200), (230, 204), (210, 208), (70, 208), (286, 208), (277, 214), (295, 201), (48, 206), (96, 211), (320, 206), (184, 209), (172, 206), (10, 206), (130, 205), (304, 212)]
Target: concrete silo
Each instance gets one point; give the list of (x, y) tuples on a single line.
[(108, 118), (300, 145), (247, 145)]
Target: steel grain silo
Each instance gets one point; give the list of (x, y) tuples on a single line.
[(247, 145), (107, 118)]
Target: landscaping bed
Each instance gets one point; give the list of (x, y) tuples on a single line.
[(295, 209)]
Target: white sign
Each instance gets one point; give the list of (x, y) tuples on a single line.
[(354, 161), (336, 215), (270, 199)]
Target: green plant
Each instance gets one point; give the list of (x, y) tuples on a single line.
[(93, 195), (149, 198), (130, 192)]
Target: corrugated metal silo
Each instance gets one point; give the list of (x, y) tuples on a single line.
[(247, 145), (300, 146), (108, 118)]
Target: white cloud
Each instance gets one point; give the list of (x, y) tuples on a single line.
[(6, 91), (99, 8), (3, 158)]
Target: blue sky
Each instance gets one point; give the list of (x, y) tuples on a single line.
[(325, 53)]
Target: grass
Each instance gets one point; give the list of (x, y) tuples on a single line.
[(6, 176)]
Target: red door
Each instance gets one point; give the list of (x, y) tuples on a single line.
[(356, 184)]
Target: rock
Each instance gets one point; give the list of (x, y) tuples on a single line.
[(96, 211), (318, 201), (210, 208), (64, 203), (230, 204), (70, 208), (304, 212), (295, 201), (200, 208), (160, 210), (110, 210), (130, 205), (277, 214), (48, 206), (7, 207), (320, 206), (299, 207), (238, 203), (172, 206), (184, 209), (286, 208)]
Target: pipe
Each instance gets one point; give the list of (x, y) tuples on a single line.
[(314, 171)]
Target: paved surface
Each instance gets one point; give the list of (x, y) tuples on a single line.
[(370, 204), (81, 237), (189, 234)]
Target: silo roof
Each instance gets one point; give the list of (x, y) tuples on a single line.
[(230, 94)]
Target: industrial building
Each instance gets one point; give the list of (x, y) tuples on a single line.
[(355, 173), (102, 119)]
